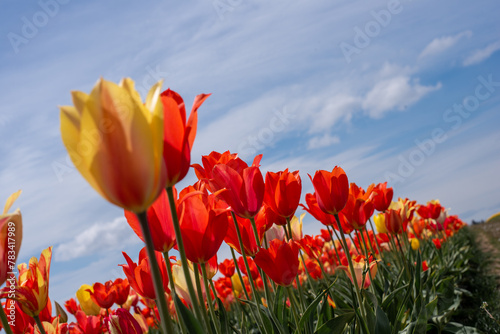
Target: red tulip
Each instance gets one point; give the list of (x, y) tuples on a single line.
[(11, 235), (159, 221), (382, 197), (71, 306), (247, 235), (178, 136), (87, 324), (357, 212), (244, 187), (103, 295), (394, 221), (227, 268), (280, 262), (139, 275), (254, 271), (283, 192), (431, 210), (332, 189), (122, 288), (203, 226), (122, 322), (268, 217)]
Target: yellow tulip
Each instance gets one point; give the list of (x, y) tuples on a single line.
[(237, 284), (86, 303), (415, 244), (116, 142), (380, 223), (296, 225)]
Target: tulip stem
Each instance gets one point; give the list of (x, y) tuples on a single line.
[(333, 242), (39, 324), (375, 236), (172, 288), (5, 321), (292, 300), (182, 253), (249, 273), (209, 298), (196, 271), (351, 268), (166, 322), (262, 274)]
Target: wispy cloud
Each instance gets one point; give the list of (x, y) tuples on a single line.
[(98, 238), (441, 44), (482, 54), (323, 141)]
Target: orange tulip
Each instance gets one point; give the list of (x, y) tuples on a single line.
[(103, 295), (11, 235), (382, 196), (115, 142), (331, 189), (178, 136)]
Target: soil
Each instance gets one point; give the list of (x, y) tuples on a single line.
[(488, 240)]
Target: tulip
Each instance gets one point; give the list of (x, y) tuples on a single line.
[(103, 295), (332, 189), (180, 282), (247, 236), (359, 262), (89, 307), (122, 322), (394, 221), (357, 212), (115, 142), (382, 197), (139, 274), (380, 223), (280, 262), (178, 136), (227, 267), (282, 192), (11, 235), (53, 327), (415, 244), (71, 306), (203, 226), (315, 211), (244, 187), (88, 324), (122, 288), (32, 290), (159, 222)]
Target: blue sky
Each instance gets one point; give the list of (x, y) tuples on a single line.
[(400, 91)]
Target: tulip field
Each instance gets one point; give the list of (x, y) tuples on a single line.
[(379, 265)]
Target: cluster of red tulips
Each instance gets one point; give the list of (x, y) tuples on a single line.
[(143, 150)]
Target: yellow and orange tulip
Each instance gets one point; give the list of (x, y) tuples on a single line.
[(11, 235), (116, 142)]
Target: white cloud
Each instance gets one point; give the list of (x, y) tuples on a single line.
[(441, 44), (482, 54), (394, 93), (98, 238), (323, 141)]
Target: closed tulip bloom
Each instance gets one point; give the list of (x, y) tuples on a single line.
[(178, 136), (360, 264), (331, 189), (283, 192), (32, 290), (122, 288), (88, 324), (280, 262), (89, 307), (122, 322), (380, 223), (247, 235), (203, 227), (227, 267), (357, 212), (11, 229), (315, 211), (159, 221), (244, 188), (382, 197), (394, 221), (116, 142), (139, 274)]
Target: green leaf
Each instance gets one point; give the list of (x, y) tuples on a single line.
[(189, 320), (336, 325), (307, 314), (223, 319), (382, 326)]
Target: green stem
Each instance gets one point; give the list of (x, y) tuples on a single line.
[(250, 279), (294, 307), (200, 296), (155, 273), (182, 253), (5, 321), (333, 242), (172, 289), (240, 276), (39, 324), (262, 274), (375, 236), (351, 268), (209, 298)]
